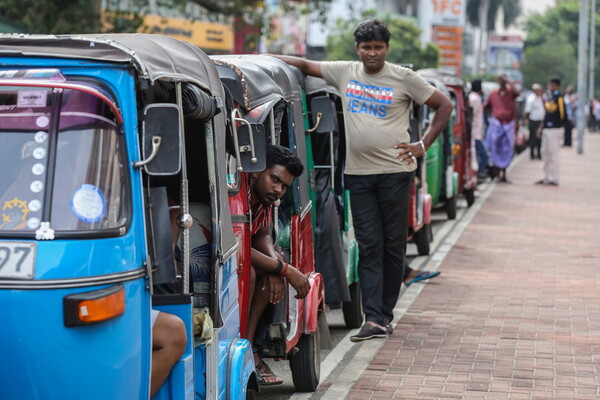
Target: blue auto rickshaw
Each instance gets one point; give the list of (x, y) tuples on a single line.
[(99, 133)]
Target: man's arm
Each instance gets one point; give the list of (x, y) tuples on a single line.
[(265, 258), (443, 108), (309, 67)]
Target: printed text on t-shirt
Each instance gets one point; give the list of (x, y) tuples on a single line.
[(368, 99)]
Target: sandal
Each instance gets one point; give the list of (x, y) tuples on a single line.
[(423, 276), (266, 377)]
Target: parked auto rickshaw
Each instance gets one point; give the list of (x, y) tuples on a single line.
[(96, 132), (337, 247), (463, 149), (266, 92), (419, 212), (442, 180)]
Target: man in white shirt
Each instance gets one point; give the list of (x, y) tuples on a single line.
[(534, 115), (476, 103)]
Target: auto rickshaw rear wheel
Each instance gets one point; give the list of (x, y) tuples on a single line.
[(422, 239), (470, 196), (353, 313), (306, 363), (451, 207)]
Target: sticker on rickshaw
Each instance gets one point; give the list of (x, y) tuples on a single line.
[(88, 203), (17, 260)]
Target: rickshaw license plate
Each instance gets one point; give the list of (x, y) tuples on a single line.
[(17, 260)]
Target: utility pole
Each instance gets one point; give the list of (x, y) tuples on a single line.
[(483, 28), (592, 49), (582, 72)]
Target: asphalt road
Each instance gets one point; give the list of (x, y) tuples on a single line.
[(338, 331)]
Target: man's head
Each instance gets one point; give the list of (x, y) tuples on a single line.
[(554, 84), (537, 88), (476, 85), (372, 39), (503, 80), (282, 167)]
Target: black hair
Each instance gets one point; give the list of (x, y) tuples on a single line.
[(556, 80), (476, 85), (371, 30), (280, 155)]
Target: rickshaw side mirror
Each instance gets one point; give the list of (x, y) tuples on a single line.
[(252, 137), (324, 115), (161, 140)]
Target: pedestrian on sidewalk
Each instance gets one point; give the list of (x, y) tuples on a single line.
[(476, 103), (380, 160), (534, 115), (501, 131), (552, 131)]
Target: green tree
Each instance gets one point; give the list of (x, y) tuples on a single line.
[(405, 47), (551, 45), (52, 16)]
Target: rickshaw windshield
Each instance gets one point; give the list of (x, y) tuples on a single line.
[(62, 161)]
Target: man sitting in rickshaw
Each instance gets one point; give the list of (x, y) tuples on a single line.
[(266, 188)]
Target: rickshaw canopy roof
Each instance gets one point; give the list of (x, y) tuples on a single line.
[(446, 77), (316, 85), (264, 78), (155, 57)]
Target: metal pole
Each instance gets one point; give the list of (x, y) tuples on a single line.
[(483, 27), (592, 49), (582, 72)]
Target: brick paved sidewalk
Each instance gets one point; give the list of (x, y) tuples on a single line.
[(516, 311)]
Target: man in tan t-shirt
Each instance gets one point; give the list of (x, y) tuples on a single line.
[(380, 161)]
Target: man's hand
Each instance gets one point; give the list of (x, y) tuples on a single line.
[(298, 281), (409, 152), (275, 286)]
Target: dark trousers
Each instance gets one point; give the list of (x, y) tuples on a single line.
[(483, 157), (568, 133), (380, 216), (535, 143)]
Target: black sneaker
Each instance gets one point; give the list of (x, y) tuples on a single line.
[(389, 329), (367, 332)]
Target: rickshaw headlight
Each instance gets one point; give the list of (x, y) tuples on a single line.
[(93, 307)]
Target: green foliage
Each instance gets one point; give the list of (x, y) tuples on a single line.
[(67, 17), (552, 58), (405, 46), (52, 16), (552, 43)]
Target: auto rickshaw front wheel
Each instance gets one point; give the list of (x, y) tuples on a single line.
[(353, 313), (306, 363)]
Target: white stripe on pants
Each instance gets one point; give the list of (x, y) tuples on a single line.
[(551, 139)]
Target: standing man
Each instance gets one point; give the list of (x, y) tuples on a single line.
[(501, 130), (380, 161), (476, 103), (534, 115), (552, 131)]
